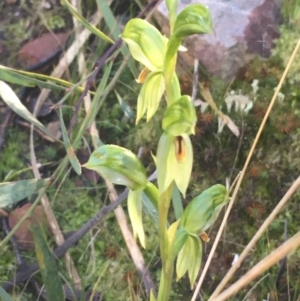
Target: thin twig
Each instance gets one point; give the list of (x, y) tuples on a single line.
[(19, 258), (254, 286), (258, 234), (195, 79), (283, 263), (68, 57), (3, 126), (68, 243), (38, 131), (289, 246), (59, 238), (242, 176), (241, 138), (60, 68)]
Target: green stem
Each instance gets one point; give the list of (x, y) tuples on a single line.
[(166, 257), (177, 202), (170, 64)]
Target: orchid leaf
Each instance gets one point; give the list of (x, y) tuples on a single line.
[(119, 166), (13, 192)]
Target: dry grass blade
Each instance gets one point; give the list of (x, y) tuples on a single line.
[(223, 119), (132, 246), (59, 238), (59, 70), (69, 57), (256, 237), (12, 100), (85, 23), (286, 248), (244, 170)]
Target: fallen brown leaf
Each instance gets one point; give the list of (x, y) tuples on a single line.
[(42, 48), (23, 234)]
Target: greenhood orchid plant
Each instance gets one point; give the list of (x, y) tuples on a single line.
[(174, 155)]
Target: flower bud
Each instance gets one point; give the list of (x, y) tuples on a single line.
[(145, 42), (180, 117), (174, 162), (204, 209), (194, 19)]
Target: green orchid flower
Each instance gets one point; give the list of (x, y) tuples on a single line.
[(204, 209), (174, 161), (147, 45), (189, 259), (180, 117), (120, 166), (197, 217)]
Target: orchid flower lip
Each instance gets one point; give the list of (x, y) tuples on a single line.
[(180, 152)]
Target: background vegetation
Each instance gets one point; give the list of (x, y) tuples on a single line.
[(101, 257)]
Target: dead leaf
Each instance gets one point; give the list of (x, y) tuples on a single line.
[(54, 128), (23, 234), (42, 48), (231, 125)]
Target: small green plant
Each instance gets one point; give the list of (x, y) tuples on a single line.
[(174, 155)]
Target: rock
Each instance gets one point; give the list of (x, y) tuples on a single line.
[(241, 30)]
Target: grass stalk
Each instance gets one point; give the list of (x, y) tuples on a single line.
[(242, 174)]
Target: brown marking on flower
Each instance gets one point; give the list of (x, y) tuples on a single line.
[(180, 150), (143, 75), (204, 237)]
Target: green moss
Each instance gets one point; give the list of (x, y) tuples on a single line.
[(284, 48), (55, 22), (14, 156)]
